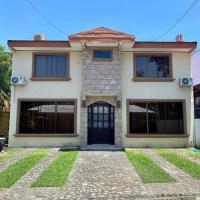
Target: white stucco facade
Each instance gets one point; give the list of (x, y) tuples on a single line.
[(22, 65), (181, 63)]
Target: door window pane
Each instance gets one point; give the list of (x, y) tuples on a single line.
[(101, 109), (100, 117), (112, 124), (105, 124), (95, 116), (95, 110), (95, 124), (100, 124), (105, 110), (105, 117), (112, 117)]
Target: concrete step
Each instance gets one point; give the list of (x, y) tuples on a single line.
[(101, 147)]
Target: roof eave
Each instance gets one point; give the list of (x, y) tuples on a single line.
[(32, 43), (175, 45)]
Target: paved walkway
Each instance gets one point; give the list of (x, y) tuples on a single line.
[(109, 175), (105, 175)]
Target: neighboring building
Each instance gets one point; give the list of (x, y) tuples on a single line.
[(197, 101), (101, 87), (195, 67)]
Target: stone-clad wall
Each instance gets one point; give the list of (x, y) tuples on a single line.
[(102, 79)]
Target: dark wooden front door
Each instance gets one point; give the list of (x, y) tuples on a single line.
[(100, 123)]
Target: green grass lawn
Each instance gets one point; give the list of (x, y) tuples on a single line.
[(15, 171), (57, 172), (147, 169), (190, 167), (9, 153)]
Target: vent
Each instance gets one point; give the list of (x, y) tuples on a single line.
[(179, 38)]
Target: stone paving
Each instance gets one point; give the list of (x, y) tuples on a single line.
[(105, 175), (109, 175)]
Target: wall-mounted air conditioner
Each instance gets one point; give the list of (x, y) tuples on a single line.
[(18, 80), (185, 82)]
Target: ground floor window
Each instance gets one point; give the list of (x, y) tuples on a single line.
[(150, 117), (47, 116)]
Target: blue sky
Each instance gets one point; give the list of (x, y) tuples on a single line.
[(146, 19)]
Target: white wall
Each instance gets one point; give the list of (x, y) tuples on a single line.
[(22, 65), (157, 90), (197, 132)]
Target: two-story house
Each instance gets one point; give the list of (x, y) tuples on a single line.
[(101, 87)]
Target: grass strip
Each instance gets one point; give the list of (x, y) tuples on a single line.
[(15, 171), (147, 169), (190, 167), (9, 153), (55, 175)]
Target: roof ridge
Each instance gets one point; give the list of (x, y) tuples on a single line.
[(100, 30)]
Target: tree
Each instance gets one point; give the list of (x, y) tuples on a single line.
[(4, 102), (5, 70)]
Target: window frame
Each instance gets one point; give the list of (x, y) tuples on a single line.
[(34, 78), (157, 135), (18, 134), (158, 79), (102, 59)]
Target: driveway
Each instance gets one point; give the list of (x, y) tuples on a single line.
[(105, 175)]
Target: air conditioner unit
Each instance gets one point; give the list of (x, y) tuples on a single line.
[(39, 37), (18, 80), (185, 82)]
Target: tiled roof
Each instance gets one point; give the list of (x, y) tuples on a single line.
[(102, 34)]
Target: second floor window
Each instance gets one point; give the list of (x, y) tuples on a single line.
[(51, 66), (102, 55), (153, 66)]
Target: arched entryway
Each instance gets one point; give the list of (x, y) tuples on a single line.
[(101, 123)]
